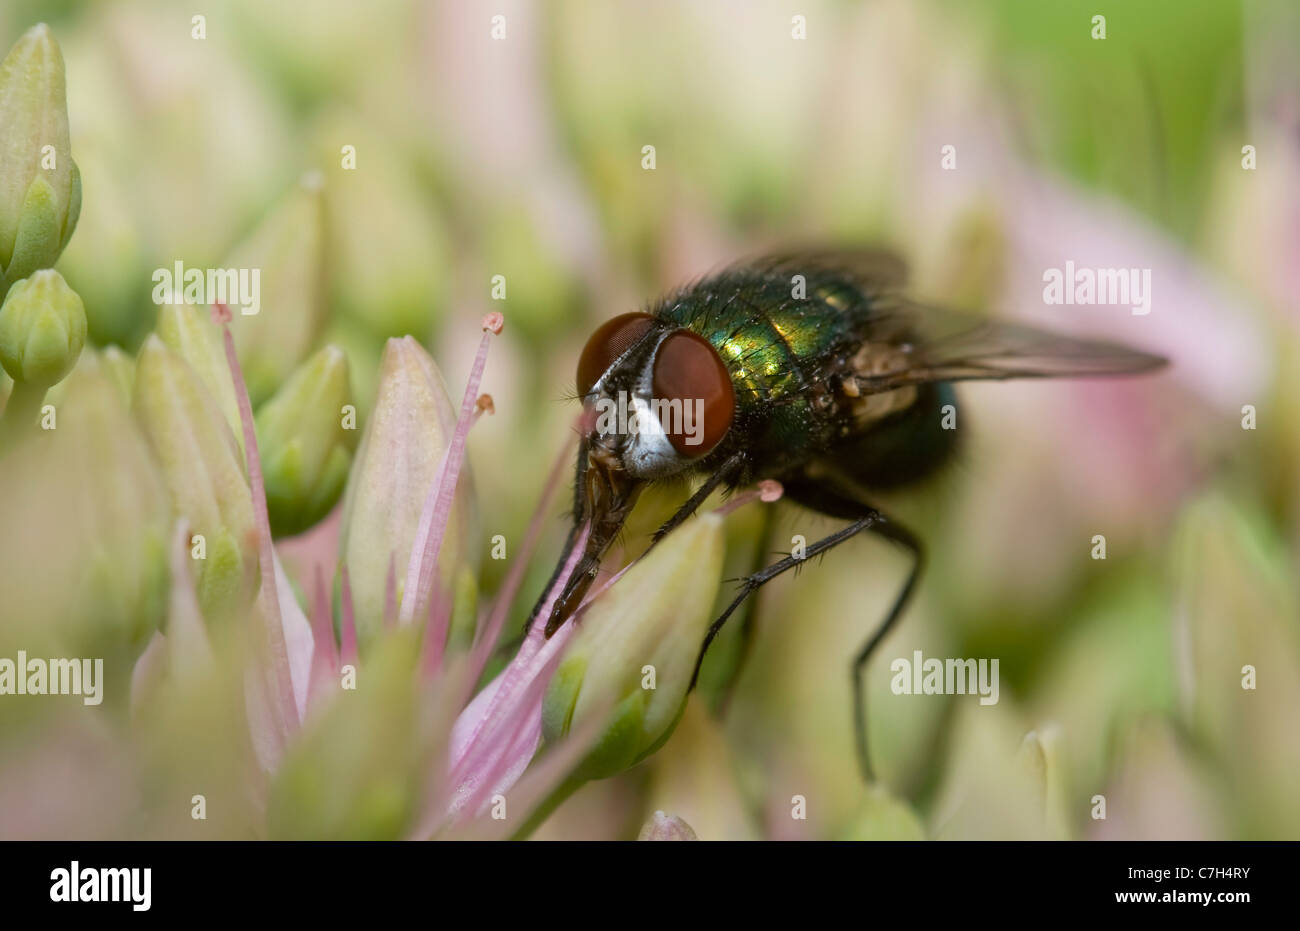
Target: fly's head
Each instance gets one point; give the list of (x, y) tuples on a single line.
[(657, 399)]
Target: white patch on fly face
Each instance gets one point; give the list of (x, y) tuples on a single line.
[(648, 453)]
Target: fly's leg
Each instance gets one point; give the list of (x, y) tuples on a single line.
[(729, 468), (904, 537), (720, 682), (823, 497), (726, 472), (756, 581)]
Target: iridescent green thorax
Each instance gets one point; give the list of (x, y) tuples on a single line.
[(783, 351)]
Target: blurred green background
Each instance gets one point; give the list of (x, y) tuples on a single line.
[(523, 157)]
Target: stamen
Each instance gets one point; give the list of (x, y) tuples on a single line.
[(435, 631), (283, 709), (348, 649), (437, 505), (518, 673), (325, 658)]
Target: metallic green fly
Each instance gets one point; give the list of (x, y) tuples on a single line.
[(813, 369)]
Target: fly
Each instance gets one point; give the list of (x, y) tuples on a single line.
[(814, 369)]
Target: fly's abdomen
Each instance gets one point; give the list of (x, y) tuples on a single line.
[(906, 446)]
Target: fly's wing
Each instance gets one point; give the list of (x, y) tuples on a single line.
[(903, 342), (910, 344)]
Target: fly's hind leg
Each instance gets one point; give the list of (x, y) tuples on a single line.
[(720, 673), (826, 499), (865, 520)]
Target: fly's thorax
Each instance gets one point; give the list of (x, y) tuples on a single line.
[(785, 358)]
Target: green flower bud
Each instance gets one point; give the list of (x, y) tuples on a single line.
[(42, 330), (363, 352), (189, 331), (106, 264), (289, 249), (397, 462), (89, 566), (40, 187), (204, 473), (304, 444), (637, 647)]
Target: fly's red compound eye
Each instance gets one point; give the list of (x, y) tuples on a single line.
[(611, 339), (689, 370)]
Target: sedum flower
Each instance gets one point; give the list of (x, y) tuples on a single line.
[(201, 464), (400, 761), (303, 442), (333, 742), (42, 330), (401, 450), (40, 187), (289, 251), (636, 649)]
